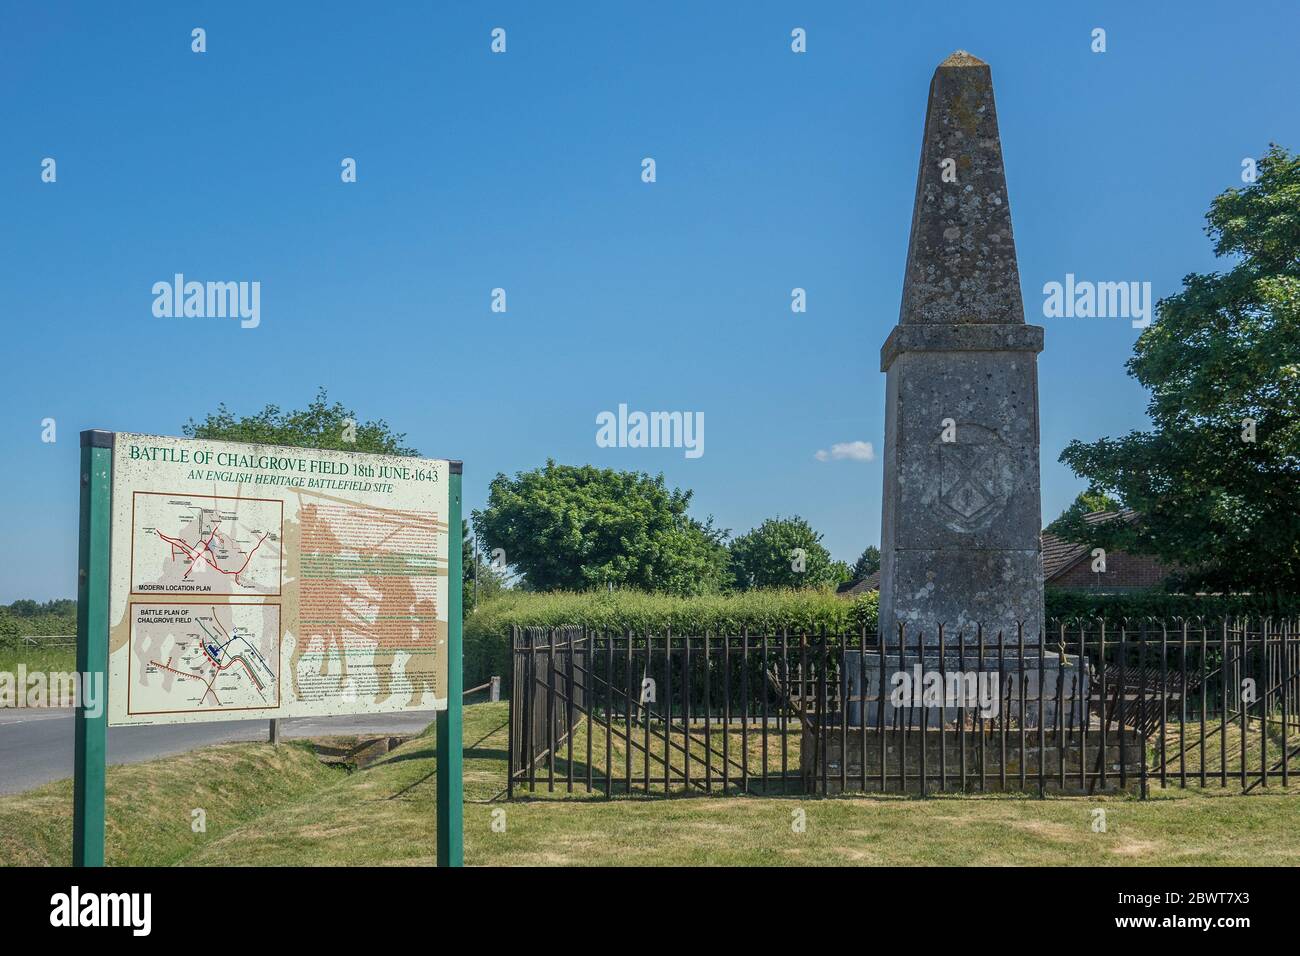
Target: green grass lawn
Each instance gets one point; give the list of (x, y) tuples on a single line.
[(272, 806)]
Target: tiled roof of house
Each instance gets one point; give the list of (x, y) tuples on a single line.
[(870, 583), (1059, 555)]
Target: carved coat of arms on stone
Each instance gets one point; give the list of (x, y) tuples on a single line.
[(976, 477)]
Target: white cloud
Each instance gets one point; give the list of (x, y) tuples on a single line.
[(850, 450)]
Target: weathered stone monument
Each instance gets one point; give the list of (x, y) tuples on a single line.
[(960, 531), (960, 545)]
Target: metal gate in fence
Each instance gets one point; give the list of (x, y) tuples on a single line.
[(1075, 709)]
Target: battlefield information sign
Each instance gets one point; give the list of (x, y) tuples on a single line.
[(258, 581)]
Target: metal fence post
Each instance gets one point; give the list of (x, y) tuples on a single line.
[(513, 742)]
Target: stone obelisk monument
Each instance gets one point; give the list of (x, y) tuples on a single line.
[(960, 533)]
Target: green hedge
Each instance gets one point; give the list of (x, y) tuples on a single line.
[(487, 630), (1066, 605), (15, 626)]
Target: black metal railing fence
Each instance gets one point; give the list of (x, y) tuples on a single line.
[(1077, 707)]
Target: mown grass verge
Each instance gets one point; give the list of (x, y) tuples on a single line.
[(150, 806), (386, 815)]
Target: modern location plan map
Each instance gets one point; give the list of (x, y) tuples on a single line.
[(188, 544)]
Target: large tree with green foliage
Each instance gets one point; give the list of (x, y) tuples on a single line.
[(1085, 503), (1216, 483), (319, 425), (783, 553), (868, 563), (580, 527)]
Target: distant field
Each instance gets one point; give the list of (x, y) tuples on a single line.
[(48, 624), (37, 658), (280, 806)]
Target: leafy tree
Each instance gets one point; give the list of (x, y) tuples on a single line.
[(26, 607), (319, 425), (842, 572), (782, 553), (1215, 484), (1070, 521), (579, 527), (868, 563)]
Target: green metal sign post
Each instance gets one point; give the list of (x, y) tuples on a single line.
[(450, 755), (91, 731)]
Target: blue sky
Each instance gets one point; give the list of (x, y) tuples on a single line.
[(522, 171)]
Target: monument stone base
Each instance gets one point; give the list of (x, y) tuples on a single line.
[(986, 746), (990, 689)]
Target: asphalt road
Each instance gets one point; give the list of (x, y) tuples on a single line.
[(36, 744)]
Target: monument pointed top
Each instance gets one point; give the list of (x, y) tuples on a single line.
[(961, 261), (961, 58)]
